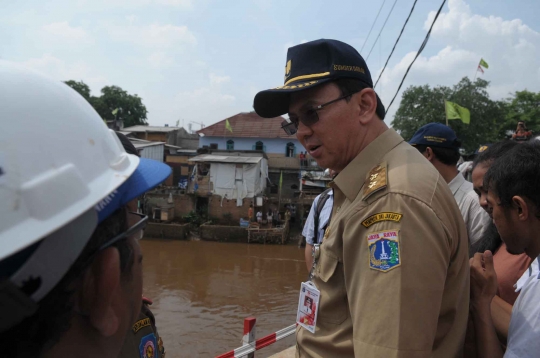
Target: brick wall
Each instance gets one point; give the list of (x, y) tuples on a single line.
[(229, 206), (166, 231), (183, 203), (223, 233)]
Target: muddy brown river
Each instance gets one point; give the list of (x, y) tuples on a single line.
[(202, 291)]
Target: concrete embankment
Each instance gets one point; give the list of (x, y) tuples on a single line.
[(167, 231)]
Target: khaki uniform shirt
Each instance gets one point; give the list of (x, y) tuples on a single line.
[(143, 340), (393, 267)]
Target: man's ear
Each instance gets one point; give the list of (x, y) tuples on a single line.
[(429, 154), (101, 291), (366, 101), (523, 208)]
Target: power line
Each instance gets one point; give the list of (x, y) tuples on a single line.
[(390, 13), (373, 24), (417, 54), (399, 37)]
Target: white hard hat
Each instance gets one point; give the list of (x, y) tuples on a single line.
[(62, 171), (57, 157)]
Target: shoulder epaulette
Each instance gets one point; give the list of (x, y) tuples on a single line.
[(376, 180)]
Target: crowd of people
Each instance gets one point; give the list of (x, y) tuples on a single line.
[(408, 258)]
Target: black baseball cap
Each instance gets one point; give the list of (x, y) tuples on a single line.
[(312, 64), (436, 135)]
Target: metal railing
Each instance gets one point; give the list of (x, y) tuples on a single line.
[(251, 344)]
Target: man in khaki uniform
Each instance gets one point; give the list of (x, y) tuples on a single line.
[(393, 266)]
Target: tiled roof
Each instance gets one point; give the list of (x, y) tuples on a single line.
[(248, 125)]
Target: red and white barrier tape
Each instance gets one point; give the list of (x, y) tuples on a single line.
[(260, 343)]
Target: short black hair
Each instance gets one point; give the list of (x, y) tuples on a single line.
[(494, 152), (38, 333), (490, 240), (447, 156), (350, 85), (516, 173)]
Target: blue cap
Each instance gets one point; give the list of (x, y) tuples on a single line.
[(435, 135), (311, 64), (149, 174)]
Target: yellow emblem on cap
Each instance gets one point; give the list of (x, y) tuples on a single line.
[(482, 148), (288, 69), (375, 180)]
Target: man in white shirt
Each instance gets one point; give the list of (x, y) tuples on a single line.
[(312, 236), (439, 144), (513, 201)]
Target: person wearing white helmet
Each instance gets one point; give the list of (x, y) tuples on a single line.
[(70, 263)]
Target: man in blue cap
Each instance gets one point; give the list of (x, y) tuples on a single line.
[(440, 145), (70, 262), (391, 277)]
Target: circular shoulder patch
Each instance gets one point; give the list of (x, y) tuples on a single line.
[(147, 347)]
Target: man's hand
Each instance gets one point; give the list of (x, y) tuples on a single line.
[(483, 289), (483, 278)]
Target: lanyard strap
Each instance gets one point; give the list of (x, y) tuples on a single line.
[(315, 255)]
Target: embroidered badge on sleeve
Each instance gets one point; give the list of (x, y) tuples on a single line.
[(140, 324), (147, 347), (384, 250), (386, 216)]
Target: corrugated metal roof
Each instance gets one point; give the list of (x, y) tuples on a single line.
[(247, 125), (150, 129), (209, 158), (144, 145)]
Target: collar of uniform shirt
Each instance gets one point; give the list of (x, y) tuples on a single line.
[(456, 183), (352, 178)]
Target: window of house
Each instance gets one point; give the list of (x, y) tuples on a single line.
[(290, 150), (259, 146), (213, 146), (230, 144)]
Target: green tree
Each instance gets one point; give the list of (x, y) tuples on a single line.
[(130, 107), (522, 106), (80, 87), (422, 104)]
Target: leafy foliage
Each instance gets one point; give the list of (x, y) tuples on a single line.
[(193, 218), (422, 104), (523, 106), (130, 107), (80, 87)]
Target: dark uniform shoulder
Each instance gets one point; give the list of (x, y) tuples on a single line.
[(143, 339)]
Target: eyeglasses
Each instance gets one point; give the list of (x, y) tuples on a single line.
[(309, 118), (137, 227)]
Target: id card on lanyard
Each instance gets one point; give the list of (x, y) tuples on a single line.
[(308, 306)]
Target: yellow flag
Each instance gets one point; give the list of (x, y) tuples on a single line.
[(228, 125), (484, 63), (455, 111)]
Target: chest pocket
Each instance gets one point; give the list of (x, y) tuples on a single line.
[(334, 307)]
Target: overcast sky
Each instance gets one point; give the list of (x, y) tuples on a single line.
[(203, 60)]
